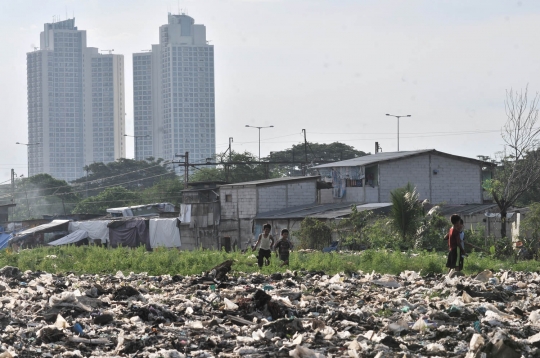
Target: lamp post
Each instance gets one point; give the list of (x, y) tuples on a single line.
[(259, 128), (136, 136), (28, 145), (398, 117)]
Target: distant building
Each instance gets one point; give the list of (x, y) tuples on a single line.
[(76, 104), (173, 90), (438, 177)]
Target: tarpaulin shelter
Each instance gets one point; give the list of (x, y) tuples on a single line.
[(96, 229), (4, 240), (129, 233), (76, 237), (29, 236), (164, 233)]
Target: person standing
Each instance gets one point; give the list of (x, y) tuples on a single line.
[(283, 247), (454, 261), (266, 241)]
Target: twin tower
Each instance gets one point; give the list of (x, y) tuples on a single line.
[(76, 99)]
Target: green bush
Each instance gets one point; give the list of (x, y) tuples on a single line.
[(313, 234)]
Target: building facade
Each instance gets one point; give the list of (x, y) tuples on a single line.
[(173, 90), (76, 104), (438, 177)]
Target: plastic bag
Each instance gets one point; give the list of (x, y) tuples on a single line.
[(230, 305), (477, 341), (420, 325)]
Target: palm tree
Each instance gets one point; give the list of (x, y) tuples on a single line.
[(405, 212)]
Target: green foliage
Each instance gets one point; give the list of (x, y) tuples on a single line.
[(314, 234), (405, 213), (316, 153), (116, 196), (42, 195), (235, 173), (165, 190), (380, 234), (135, 175), (100, 260), (431, 232), (354, 226)]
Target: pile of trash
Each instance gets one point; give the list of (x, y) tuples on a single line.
[(295, 314)]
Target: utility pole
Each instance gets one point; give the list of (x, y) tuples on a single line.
[(186, 171), (186, 168), (12, 186), (304, 170), (230, 150)]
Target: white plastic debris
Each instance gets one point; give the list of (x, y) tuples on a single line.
[(61, 323), (230, 305), (435, 347), (420, 325), (303, 352), (484, 276), (477, 342)]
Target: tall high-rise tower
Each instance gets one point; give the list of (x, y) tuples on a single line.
[(173, 90), (76, 105)]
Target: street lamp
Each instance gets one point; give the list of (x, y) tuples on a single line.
[(136, 136), (259, 128), (398, 117), (28, 145)]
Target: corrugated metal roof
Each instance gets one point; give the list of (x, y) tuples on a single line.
[(270, 181), (320, 211), (43, 227), (468, 209), (383, 157)]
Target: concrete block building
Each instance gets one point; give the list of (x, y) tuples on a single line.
[(439, 177), (241, 203)]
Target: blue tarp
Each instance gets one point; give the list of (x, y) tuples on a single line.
[(4, 239)]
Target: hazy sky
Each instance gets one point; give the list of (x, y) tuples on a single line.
[(333, 67)]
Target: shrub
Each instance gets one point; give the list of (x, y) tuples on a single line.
[(314, 234)]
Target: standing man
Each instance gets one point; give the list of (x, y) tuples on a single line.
[(266, 241)]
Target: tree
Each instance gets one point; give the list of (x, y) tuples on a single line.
[(519, 171), (42, 194), (132, 174), (316, 154), (314, 234), (406, 213), (354, 226), (234, 173), (530, 231), (116, 196), (166, 190)]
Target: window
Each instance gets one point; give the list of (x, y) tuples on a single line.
[(228, 198)]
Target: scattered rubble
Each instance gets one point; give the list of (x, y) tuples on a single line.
[(294, 314)]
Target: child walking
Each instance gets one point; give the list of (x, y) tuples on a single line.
[(283, 247), (266, 241)]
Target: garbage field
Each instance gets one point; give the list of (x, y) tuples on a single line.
[(292, 314)]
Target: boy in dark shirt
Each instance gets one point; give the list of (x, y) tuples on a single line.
[(455, 251), (283, 247)]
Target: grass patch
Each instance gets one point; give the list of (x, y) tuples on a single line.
[(99, 260)]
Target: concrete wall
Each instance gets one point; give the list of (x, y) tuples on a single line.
[(285, 195), (398, 173), (352, 195), (457, 182)]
